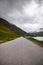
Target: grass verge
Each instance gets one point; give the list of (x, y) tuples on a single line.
[(40, 43)]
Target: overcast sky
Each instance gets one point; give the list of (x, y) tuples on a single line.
[(26, 14)]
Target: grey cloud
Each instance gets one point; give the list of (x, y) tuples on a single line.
[(4, 7), (39, 1), (9, 10), (13, 3)]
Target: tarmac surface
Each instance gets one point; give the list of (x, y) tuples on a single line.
[(20, 52)]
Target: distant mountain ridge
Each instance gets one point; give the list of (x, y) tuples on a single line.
[(40, 33)]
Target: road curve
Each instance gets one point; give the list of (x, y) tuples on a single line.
[(20, 52)]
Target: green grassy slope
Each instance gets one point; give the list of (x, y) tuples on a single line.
[(6, 33)]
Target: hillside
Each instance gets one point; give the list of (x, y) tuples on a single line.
[(9, 31), (36, 33)]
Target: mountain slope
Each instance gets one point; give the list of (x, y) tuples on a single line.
[(9, 31), (36, 33)]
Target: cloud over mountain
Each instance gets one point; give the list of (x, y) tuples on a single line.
[(26, 14)]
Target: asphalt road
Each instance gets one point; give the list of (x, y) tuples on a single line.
[(20, 52)]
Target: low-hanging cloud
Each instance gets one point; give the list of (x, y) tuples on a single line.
[(26, 14)]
